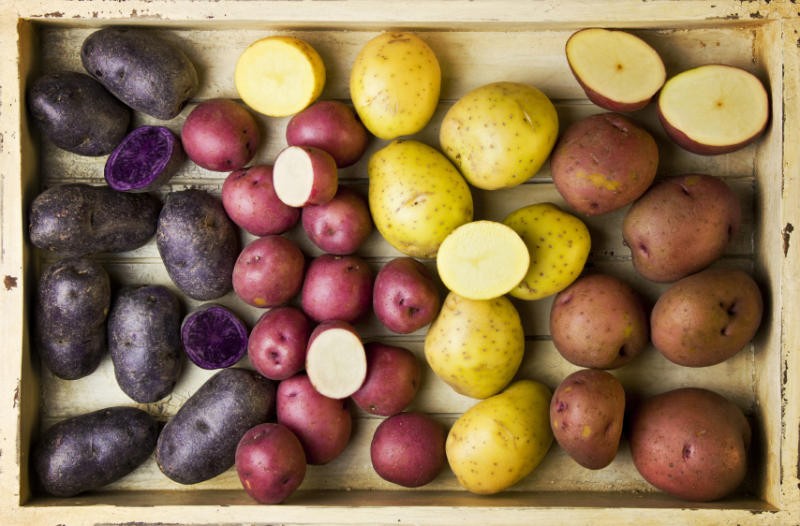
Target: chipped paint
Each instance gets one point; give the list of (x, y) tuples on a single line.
[(10, 282), (786, 234)]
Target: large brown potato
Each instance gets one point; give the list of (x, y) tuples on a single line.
[(599, 321), (680, 226), (691, 443), (707, 317), (586, 414), (603, 162)]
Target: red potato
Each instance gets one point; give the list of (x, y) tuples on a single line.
[(408, 449), (336, 361), (270, 462), (304, 175), (322, 424), (249, 198), (220, 135), (341, 225), (331, 126), (393, 379), (269, 271), (337, 288), (278, 341), (405, 296)]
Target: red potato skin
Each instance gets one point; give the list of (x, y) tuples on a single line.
[(337, 288), (249, 198), (408, 449), (269, 271), (278, 342), (609, 104), (405, 296), (689, 144), (220, 135), (341, 225), (331, 126), (691, 443), (270, 463), (323, 425), (393, 378), (325, 176)]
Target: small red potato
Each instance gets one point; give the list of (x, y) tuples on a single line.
[(249, 198), (220, 135), (332, 126), (393, 378), (600, 322), (706, 318), (341, 225), (603, 162), (269, 271), (322, 424), (586, 415), (270, 462), (405, 296), (336, 362), (691, 443), (305, 175), (337, 288), (278, 341), (680, 226), (408, 449)]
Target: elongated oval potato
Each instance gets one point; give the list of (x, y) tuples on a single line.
[(395, 83), (416, 196)]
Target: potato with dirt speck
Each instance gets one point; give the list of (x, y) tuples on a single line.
[(499, 135), (475, 346), (558, 243), (500, 440), (416, 196), (394, 84)]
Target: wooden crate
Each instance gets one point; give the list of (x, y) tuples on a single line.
[(477, 42)]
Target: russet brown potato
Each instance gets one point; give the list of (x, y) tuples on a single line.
[(680, 226), (586, 415), (707, 317), (604, 162), (691, 443), (599, 321)]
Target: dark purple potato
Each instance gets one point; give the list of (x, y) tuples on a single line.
[(200, 441), (146, 158), (214, 337), (78, 219), (148, 73), (89, 451), (73, 299), (198, 243), (144, 341), (77, 114)]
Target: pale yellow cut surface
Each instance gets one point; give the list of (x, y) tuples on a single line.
[(482, 260), (279, 75)]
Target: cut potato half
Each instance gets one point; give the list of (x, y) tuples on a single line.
[(304, 175), (279, 75), (482, 260), (336, 362), (714, 109), (618, 70)]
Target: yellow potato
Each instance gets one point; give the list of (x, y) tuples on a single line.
[(558, 243), (500, 134), (416, 196), (481, 260), (475, 346), (279, 75), (502, 439), (394, 84)]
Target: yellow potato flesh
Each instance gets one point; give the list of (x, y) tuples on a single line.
[(499, 135), (416, 197), (482, 260), (500, 440), (558, 243), (279, 75), (394, 84), (475, 346)]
